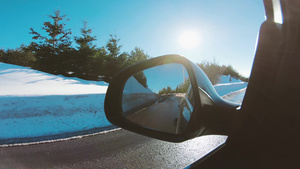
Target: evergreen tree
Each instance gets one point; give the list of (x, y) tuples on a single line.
[(53, 51), (95, 65), (136, 56), (232, 72), (183, 86), (19, 56), (169, 89), (84, 59), (141, 78), (86, 41), (213, 70), (58, 37), (2, 53), (115, 60), (113, 47)]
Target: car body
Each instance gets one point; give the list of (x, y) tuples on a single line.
[(186, 106)]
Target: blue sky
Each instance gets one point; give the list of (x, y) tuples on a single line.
[(160, 77), (226, 29)]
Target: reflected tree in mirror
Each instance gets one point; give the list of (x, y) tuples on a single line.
[(159, 98), (141, 78)]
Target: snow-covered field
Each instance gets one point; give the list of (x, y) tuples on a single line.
[(35, 105)]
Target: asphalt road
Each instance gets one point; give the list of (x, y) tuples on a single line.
[(159, 116), (116, 149)]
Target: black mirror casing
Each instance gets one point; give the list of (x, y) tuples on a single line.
[(113, 99), (205, 117)]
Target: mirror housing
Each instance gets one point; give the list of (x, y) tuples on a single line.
[(211, 114)]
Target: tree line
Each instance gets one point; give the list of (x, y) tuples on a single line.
[(52, 52), (180, 88), (214, 71)]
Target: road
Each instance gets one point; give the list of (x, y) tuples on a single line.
[(116, 149), (160, 116)]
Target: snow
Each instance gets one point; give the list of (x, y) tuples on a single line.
[(22, 81), (228, 79), (50, 115), (37, 105), (135, 95), (227, 85), (133, 86)]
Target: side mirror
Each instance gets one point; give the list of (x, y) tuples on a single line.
[(159, 98), (168, 98)]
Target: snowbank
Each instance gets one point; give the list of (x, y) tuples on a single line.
[(136, 96), (228, 79), (35, 105), (50, 115), (227, 85), (22, 81), (133, 86)]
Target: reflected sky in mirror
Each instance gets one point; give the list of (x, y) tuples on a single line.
[(165, 75)]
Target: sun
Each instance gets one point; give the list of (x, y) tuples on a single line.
[(189, 39)]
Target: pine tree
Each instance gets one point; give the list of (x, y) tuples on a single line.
[(136, 56), (115, 60), (113, 47), (2, 55), (53, 51), (95, 66), (19, 56), (84, 60), (86, 41), (58, 37)]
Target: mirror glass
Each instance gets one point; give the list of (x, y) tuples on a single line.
[(159, 98)]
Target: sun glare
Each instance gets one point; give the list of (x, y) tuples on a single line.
[(189, 39)]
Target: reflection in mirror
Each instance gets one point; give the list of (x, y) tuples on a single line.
[(159, 98)]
